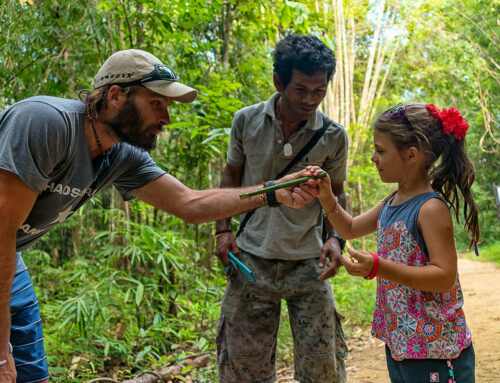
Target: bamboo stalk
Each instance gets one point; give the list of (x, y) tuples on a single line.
[(347, 88), (384, 79), (351, 69), (371, 59), (373, 86), (338, 37)]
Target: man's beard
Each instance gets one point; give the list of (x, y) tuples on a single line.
[(128, 125)]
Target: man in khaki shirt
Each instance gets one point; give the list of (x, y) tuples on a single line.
[(284, 247)]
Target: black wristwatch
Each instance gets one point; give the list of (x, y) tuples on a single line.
[(272, 201)]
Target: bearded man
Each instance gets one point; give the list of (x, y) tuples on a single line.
[(56, 154)]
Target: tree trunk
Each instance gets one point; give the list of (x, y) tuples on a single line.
[(227, 20)]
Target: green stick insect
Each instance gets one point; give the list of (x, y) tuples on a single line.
[(283, 185)]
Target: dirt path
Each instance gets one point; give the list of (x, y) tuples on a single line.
[(481, 286)]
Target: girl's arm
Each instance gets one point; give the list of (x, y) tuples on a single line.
[(439, 275), (347, 226), (350, 227)]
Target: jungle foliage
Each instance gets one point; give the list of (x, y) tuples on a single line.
[(125, 287)]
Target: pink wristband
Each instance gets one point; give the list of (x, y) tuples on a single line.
[(374, 270)]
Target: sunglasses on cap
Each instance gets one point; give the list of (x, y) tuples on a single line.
[(160, 72)]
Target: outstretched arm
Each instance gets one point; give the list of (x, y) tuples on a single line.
[(350, 227), (231, 178), (347, 226), (198, 206)]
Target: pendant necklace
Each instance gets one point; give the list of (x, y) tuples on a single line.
[(287, 148)]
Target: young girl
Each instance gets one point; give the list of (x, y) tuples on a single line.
[(418, 311)]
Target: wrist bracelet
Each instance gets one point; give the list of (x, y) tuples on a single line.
[(335, 209), (263, 198), (374, 270)]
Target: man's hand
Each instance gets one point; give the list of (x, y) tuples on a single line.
[(330, 258), (7, 369), (225, 242), (299, 196)]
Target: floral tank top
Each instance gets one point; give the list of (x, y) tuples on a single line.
[(415, 324)]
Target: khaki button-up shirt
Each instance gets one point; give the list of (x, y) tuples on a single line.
[(257, 144)]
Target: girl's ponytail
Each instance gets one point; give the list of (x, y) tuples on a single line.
[(455, 172), (454, 175)]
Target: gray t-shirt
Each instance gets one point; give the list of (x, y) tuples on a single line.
[(42, 141), (257, 144)]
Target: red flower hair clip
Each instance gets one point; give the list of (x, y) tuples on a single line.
[(451, 120)]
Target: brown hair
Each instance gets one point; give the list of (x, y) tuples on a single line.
[(449, 169), (95, 100)]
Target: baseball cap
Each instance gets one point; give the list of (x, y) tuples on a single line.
[(138, 67)]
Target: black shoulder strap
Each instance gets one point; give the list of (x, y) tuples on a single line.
[(301, 154)]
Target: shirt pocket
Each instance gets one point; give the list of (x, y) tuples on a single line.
[(259, 164)]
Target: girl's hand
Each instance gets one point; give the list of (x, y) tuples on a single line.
[(360, 264), (324, 184)]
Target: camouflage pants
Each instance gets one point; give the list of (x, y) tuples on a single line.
[(248, 327)]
